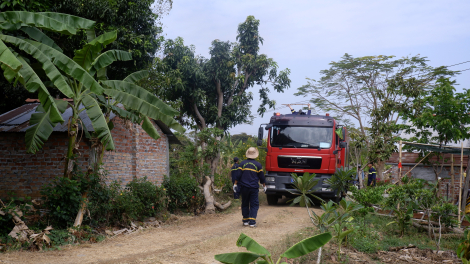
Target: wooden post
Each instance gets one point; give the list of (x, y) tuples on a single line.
[(452, 180), (461, 179), (399, 163)]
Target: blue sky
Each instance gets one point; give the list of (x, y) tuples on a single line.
[(305, 36)]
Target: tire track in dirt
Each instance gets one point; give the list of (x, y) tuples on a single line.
[(189, 240)]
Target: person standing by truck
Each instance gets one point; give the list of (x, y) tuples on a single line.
[(234, 171), (251, 174), (372, 176)]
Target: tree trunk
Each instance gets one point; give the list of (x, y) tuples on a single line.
[(380, 169), (81, 212), (359, 173), (96, 159), (214, 163), (72, 133), (210, 208), (211, 204), (319, 256)]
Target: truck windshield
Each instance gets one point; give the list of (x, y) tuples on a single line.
[(301, 137)]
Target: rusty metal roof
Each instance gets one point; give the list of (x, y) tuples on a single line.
[(17, 120)]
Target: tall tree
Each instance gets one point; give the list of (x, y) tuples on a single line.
[(213, 91), (360, 89), (440, 117)]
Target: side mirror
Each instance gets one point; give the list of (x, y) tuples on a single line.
[(343, 144), (260, 134), (259, 143)]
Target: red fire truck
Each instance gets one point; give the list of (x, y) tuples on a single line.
[(299, 143)]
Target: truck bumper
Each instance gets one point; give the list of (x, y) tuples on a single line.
[(283, 185)]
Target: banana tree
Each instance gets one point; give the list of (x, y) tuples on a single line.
[(73, 77)]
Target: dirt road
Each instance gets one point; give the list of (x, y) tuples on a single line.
[(188, 240)]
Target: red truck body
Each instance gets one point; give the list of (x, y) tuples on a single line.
[(299, 143)]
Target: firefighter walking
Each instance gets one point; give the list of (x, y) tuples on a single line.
[(250, 174), (371, 178)]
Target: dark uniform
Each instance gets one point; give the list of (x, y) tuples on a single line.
[(371, 177), (235, 172), (251, 172)]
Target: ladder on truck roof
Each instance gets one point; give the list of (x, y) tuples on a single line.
[(308, 113)]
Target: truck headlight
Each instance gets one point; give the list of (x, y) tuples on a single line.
[(270, 179)]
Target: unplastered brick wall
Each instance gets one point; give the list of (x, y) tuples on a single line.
[(23, 173), (445, 187), (136, 155)]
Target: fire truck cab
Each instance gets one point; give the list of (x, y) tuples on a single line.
[(299, 143)]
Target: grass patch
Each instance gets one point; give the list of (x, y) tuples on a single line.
[(373, 234)]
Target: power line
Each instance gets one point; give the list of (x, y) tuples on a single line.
[(457, 64)]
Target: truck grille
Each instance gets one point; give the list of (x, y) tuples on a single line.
[(299, 162)]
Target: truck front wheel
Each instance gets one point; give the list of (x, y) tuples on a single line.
[(272, 199)]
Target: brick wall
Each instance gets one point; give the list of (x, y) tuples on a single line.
[(136, 155), (25, 173)]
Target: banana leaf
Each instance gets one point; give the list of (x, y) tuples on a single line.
[(32, 83), (51, 71), (85, 56), (98, 121), (39, 36), (237, 258), (137, 91), (108, 57), (72, 21), (70, 67), (134, 101), (8, 58), (307, 245), (251, 245), (136, 76), (47, 21), (41, 127), (148, 127)]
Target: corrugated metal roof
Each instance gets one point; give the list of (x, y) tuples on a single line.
[(407, 137), (17, 120)]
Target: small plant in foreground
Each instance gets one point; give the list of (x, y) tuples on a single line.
[(342, 180), (342, 218), (257, 251)]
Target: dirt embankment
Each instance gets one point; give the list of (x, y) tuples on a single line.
[(188, 240)]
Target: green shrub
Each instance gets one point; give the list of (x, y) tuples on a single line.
[(62, 198), (117, 205), (224, 180), (369, 196), (183, 193), (445, 211), (108, 204), (341, 181)]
